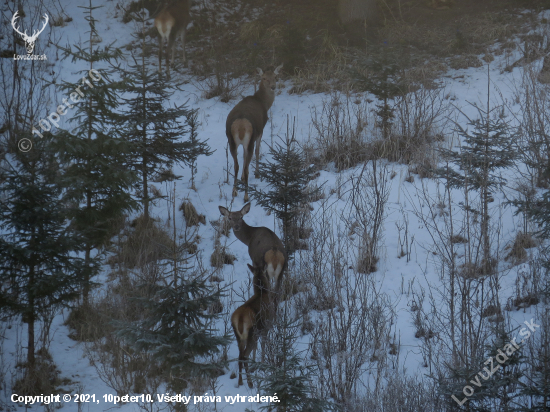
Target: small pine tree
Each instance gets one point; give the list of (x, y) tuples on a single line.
[(285, 373), (537, 380), (287, 177), (37, 271), (493, 385), (178, 330), (95, 174), (488, 148), (153, 130), (385, 82)]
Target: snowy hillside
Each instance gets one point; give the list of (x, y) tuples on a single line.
[(372, 330)]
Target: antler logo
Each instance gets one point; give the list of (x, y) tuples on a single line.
[(29, 40)]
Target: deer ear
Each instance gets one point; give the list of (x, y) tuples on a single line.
[(250, 267), (276, 71), (245, 209), (223, 210), (260, 71)]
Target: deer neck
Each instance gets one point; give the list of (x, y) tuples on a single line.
[(244, 234), (266, 96)]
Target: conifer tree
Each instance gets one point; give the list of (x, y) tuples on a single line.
[(287, 177), (155, 131), (487, 149), (285, 373), (37, 270), (486, 386), (385, 82), (177, 327), (537, 380), (96, 173)]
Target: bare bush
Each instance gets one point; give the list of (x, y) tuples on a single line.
[(340, 131), (534, 119), (192, 218), (420, 118), (367, 201), (353, 328), (399, 393)]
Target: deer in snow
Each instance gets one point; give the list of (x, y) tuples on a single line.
[(252, 319), (171, 22), (264, 247), (29, 40), (245, 124)]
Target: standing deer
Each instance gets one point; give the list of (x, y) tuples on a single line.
[(171, 22), (251, 319), (245, 124), (264, 247)]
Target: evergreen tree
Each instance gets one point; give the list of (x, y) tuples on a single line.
[(36, 268), (153, 130), (177, 329), (488, 148), (537, 381), (493, 385), (285, 373), (96, 174), (385, 82), (287, 177)]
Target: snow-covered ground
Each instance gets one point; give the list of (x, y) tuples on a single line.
[(461, 87)]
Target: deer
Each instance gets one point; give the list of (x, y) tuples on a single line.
[(252, 319), (245, 124), (171, 22), (29, 40), (264, 247)]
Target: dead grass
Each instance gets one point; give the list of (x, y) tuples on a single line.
[(517, 253), (192, 218), (43, 378), (220, 257), (143, 241), (86, 324)]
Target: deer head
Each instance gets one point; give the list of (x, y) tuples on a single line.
[(29, 40)]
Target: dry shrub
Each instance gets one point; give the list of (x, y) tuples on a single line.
[(420, 115), (491, 310), (340, 132), (458, 239), (366, 262), (522, 302), (119, 367), (44, 378), (474, 270), (220, 257), (518, 254), (86, 324), (399, 392), (192, 218), (221, 226), (465, 61), (142, 242), (251, 31)]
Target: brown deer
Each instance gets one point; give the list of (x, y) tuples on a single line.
[(245, 124), (171, 22), (252, 319), (264, 247)]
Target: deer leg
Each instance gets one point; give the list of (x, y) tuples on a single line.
[(233, 151), (161, 42), (247, 158), (250, 346), (257, 173)]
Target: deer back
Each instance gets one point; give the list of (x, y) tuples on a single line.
[(175, 16), (252, 109)]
